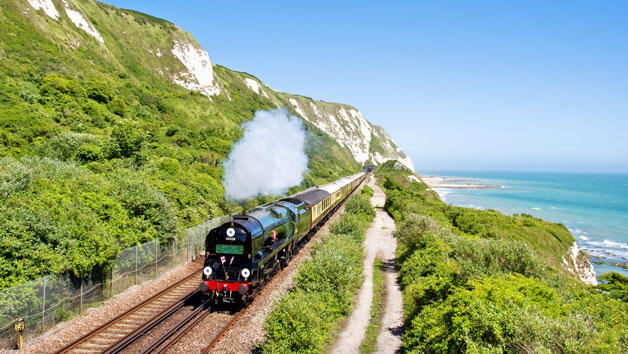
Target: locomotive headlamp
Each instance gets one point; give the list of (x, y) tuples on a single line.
[(245, 272), (207, 271), (230, 232)]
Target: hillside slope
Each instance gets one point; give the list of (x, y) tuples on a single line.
[(484, 282), (164, 49), (113, 127)]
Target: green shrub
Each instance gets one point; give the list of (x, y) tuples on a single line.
[(169, 165), (299, 323), (89, 153), (335, 269), (347, 224), (616, 284), (367, 192), (54, 84), (118, 106), (506, 314), (65, 146), (479, 257), (126, 140), (100, 91), (57, 216), (360, 206)]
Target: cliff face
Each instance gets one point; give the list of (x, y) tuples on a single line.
[(578, 263), (367, 143), (165, 52), (124, 38)]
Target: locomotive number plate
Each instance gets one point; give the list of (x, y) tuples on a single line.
[(230, 249)]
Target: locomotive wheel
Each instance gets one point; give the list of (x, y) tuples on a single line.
[(244, 300)]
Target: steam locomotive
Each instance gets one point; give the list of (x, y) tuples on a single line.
[(244, 253)]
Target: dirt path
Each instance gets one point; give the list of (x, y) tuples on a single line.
[(380, 243)]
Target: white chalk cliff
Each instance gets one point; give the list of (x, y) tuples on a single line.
[(200, 74), (577, 262), (350, 129)]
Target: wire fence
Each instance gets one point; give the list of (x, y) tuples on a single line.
[(47, 301)]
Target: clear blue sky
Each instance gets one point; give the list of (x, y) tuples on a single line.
[(499, 85)]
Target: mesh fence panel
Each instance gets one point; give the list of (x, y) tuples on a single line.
[(52, 299)]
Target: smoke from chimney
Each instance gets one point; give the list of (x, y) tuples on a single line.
[(270, 157)]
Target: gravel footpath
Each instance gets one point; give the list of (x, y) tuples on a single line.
[(379, 242), (66, 332)]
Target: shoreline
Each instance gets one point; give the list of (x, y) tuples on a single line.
[(451, 183), (605, 252), (580, 264)]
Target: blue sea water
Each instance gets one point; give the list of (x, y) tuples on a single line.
[(594, 207)]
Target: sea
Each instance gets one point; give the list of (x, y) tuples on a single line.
[(594, 207)]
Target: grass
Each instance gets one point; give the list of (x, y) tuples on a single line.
[(369, 343)]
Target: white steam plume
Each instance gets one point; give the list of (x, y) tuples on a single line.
[(270, 157)]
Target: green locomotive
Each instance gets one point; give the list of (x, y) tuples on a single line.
[(244, 253)]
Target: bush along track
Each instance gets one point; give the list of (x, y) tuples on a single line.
[(482, 282), (304, 321), (369, 343)]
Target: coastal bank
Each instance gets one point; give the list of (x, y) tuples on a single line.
[(482, 281)]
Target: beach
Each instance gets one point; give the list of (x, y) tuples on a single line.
[(455, 183)]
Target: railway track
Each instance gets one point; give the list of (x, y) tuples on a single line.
[(166, 341), (142, 317), (222, 332), (124, 330), (179, 330)]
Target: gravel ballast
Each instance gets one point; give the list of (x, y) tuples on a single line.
[(66, 332)]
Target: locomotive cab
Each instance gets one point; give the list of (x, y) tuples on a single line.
[(228, 262)]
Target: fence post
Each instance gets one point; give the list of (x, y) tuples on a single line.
[(81, 298), (155, 258), (135, 265), (43, 305), (111, 283), (187, 247), (174, 247)]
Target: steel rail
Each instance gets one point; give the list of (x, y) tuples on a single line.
[(222, 333), (122, 316), (146, 327), (173, 335)]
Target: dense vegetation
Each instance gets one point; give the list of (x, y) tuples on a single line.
[(100, 152), (483, 282), (304, 320)]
